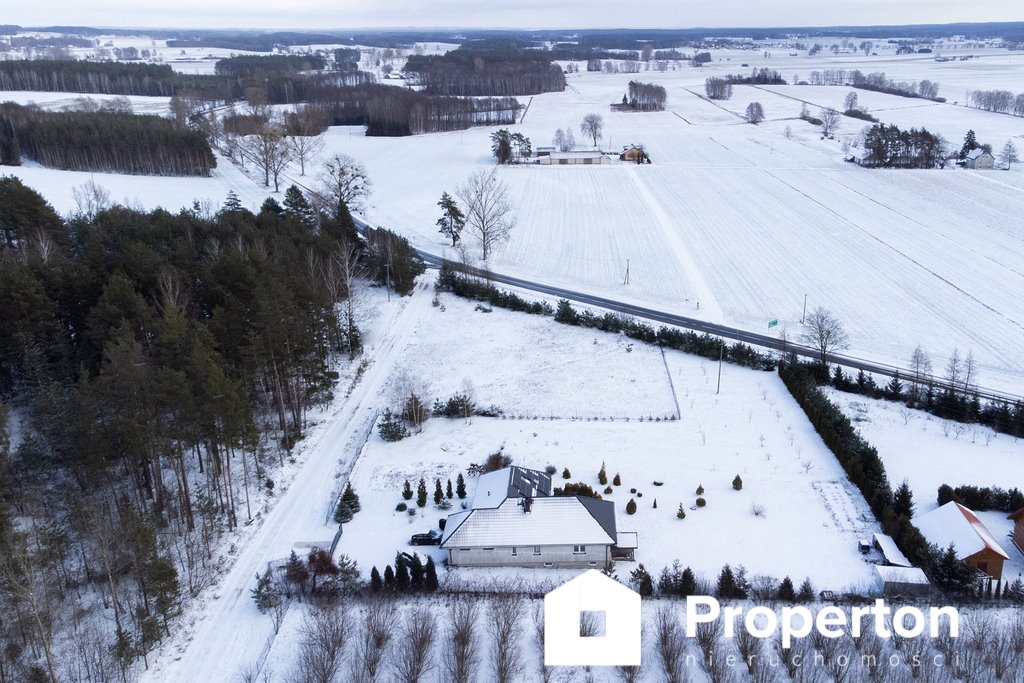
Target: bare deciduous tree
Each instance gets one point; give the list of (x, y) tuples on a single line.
[(564, 140), (269, 150), (488, 209), (503, 623), (344, 181), (412, 662), (462, 641), (754, 113), (669, 644), (592, 127), (305, 147), (829, 121), (90, 198), (374, 637), (825, 333), (324, 634)]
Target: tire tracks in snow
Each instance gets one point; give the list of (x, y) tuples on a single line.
[(891, 247), (227, 632), (675, 242)]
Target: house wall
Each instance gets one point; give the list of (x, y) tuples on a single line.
[(553, 555), (1018, 534), (993, 563)]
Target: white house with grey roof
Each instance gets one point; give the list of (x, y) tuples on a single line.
[(515, 521)]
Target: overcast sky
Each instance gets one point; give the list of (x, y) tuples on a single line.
[(328, 14)]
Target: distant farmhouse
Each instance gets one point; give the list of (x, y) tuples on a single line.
[(980, 159), (515, 521), (567, 158), (974, 543)]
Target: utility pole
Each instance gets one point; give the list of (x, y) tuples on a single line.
[(721, 354), (625, 280), (387, 278), (804, 314)]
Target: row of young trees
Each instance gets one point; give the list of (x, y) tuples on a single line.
[(717, 88), (487, 68), (646, 96), (1002, 101), (102, 141)]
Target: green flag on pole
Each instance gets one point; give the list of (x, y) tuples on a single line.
[(772, 323)]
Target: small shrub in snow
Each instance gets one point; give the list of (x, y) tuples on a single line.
[(681, 513), (631, 507), (655, 503), (407, 491), (632, 490), (639, 494), (617, 480), (757, 510), (737, 483), (566, 474), (608, 489), (551, 469), (701, 502), (700, 489), (577, 489), (602, 476), (269, 484), (391, 427), (401, 507), (412, 512)]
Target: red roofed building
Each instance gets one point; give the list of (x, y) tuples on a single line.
[(1018, 528), (974, 543)]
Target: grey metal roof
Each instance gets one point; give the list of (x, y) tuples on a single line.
[(603, 511), (551, 521)]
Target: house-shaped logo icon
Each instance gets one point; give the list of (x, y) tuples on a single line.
[(587, 598)]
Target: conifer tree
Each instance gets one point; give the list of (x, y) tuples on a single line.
[(421, 494), (631, 507), (806, 592), (402, 578), (460, 487), (438, 492), (681, 513), (376, 583), (349, 496), (894, 389), (688, 583), (602, 476), (271, 206), (641, 579), (296, 206), (416, 573), (389, 578), (430, 577), (452, 220), (407, 491), (617, 480), (903, 500), (726, 587), (448, 492), (786, 591), (343, 513), (737, 483), (295, 572)]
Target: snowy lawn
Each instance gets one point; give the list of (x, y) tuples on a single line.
[(794, 496), (927, 452)]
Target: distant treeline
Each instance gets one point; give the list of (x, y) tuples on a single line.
[(390, 111), (56, 41), (758, 77), (877, 82), (109, 78), (1002, 101), (497, 68), (646, 96), (256, 42), (889, 147), (580, 53), (102, 141), (247, 66)]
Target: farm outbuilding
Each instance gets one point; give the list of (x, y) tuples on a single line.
[(904, 582), (572, 158)]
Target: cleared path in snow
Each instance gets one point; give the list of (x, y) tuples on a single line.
[(226, 632)]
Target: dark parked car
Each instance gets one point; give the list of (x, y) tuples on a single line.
[(432, 538)]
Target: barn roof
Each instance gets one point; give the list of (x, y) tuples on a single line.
[(956, 524)]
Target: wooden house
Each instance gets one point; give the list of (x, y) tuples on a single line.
[(974, 543)]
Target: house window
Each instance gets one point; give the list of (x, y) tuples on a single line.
[(579, 550), (514, 551), (536, 550)]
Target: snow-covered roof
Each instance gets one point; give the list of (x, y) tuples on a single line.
[(901, 575), (889, 550), (583, 153), (562, 520), (510, 482), (953, 523), (975, 153)]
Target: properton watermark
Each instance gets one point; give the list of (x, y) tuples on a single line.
[(618, 610), (830, 621)]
